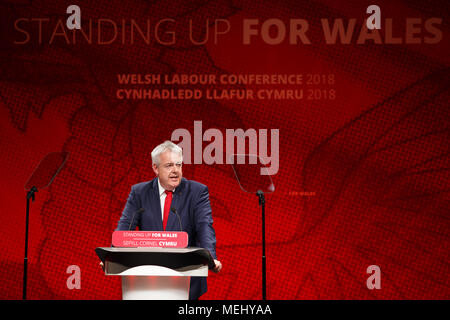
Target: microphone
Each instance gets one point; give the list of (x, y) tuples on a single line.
[(179, 219), (260, 195), (134, 214)]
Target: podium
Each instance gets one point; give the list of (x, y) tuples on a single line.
[(155, 273)]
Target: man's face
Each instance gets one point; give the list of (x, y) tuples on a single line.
[(169, 170)]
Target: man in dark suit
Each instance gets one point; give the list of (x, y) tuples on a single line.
[(167, 192)]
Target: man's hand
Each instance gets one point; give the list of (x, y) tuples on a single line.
[(218, 266)]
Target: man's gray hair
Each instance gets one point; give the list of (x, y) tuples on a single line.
[(166, 145)]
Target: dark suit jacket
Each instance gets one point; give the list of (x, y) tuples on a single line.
[(191, 201)]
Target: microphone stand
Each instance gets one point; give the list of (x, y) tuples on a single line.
[(30, 196), (262, 202), (41, 178)]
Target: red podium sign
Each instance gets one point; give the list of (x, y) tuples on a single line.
[(153, 239)]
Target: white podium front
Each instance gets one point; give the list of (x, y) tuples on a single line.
[(155, 273)]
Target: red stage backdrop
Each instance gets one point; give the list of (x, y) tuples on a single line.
[(353, 124)]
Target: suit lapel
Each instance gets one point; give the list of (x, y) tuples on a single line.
[(156, 205), (172, 223)]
